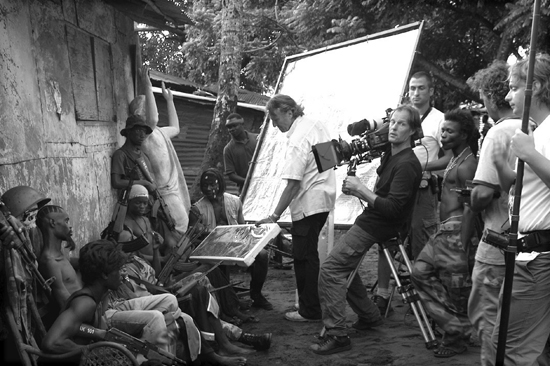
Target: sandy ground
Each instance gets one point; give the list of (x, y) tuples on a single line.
[(397, 342)]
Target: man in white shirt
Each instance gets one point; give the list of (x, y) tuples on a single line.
[(529, 321), (309, 194)]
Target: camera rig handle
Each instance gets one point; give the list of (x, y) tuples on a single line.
[(352, 167)]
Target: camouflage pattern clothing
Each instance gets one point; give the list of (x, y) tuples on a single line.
[(442, 277)]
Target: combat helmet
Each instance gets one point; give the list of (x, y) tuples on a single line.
[(20, 199)]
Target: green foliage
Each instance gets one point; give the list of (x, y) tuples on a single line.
[(459, 36)]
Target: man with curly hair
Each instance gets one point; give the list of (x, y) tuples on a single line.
[(488, 198)]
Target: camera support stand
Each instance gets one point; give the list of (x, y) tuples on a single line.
[(407, 291), (409, 294)]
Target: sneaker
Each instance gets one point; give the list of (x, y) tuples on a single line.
[(382, 304), (331, 344), (295, 316), (363, 324)]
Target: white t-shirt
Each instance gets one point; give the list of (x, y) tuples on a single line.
[(317, 190), (495, 216), (431, 142), (534, 213)]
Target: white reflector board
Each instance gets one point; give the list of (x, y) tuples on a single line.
[(235, 244), (339, 85)]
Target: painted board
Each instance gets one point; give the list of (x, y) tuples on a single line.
[(337, 85), (235, 244)]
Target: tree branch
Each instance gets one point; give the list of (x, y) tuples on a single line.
[(443, 75)]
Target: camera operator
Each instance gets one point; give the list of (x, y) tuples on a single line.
[(389, 208), (487, 197), (309, 194), (529, 321), (441, 273)]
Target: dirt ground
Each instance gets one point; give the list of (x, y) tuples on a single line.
[(397, 342)]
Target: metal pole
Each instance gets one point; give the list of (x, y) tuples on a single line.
[(510, 254)]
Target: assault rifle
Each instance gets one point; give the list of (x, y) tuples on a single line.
[(170, 222), (135, 345), (116, 225), (180, 292), (20, 243), (180, 252)]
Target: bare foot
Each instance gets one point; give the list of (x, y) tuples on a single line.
[(227, 360), (231, 349)]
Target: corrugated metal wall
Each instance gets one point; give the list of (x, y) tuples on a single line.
[(195, 119)]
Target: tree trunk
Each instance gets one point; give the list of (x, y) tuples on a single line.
[(228, 86)]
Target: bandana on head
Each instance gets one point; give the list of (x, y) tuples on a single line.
[(138, 190)]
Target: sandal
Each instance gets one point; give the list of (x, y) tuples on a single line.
[(446, 351)]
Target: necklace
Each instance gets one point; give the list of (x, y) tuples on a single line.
[(452, 164)]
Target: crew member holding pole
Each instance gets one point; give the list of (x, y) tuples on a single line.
[(529, 321)]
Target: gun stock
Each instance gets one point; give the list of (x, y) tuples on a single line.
[(20, 244), (135, 345)]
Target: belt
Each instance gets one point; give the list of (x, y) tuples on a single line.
[(535, 241)]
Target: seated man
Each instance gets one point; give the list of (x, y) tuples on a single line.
[(218, 207), (53, 221), (23, 203), (442, 271), (100, 264), (389, 208), (137, 224)]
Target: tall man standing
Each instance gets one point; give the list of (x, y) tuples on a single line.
[(489, 199), (310, 194), (529, 321), (238, 152), (424, 219)]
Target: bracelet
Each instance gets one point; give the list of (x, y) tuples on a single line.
[(275, 216)]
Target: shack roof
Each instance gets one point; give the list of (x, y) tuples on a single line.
[(186, 86), (162, 14)]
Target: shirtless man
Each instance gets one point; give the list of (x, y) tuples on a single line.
[(442, 271), (53, 223)]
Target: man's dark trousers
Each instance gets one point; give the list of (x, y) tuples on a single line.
[(305, 238)]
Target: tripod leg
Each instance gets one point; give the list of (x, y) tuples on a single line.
[(420, 307), (410, 296)]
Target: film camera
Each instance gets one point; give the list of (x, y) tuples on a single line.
[(372, 142)]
